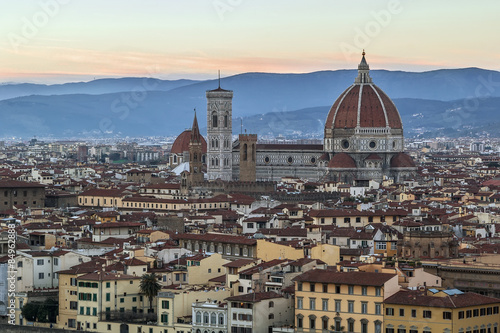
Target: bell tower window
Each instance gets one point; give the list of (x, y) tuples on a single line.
[(214, 119)]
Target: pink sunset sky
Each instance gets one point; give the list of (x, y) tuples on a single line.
[(55, 41)]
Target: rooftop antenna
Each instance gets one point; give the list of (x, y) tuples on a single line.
[(219, 78), (241, 119)]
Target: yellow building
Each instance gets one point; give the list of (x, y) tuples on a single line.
[(175, 306), (269, 251), (354, 218), (437, 311), (68, 292), (108, 296), (342, 301), (101, 198), (207, 268)]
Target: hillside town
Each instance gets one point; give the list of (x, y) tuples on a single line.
[(365, 231)]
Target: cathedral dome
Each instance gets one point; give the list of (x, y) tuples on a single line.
[(181, 143), (342, 161), (363, 104)]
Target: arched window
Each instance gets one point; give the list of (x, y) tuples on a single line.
[(195, 157), (271, 304), (225, 120), (213, 319), (205, 318), (221, 319), (253, 152), (214, 119), (198, 317), (245, 152)]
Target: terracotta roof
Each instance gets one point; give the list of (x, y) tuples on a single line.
[(239, 263), (16, 183), (350, 278), (165, 186), (117, 225), (402, 160), (134, 262), (418, 297), (219, 279), (101, 276), (103, 192), (264, 265), (222, 238), (254, 297), (342, 161)]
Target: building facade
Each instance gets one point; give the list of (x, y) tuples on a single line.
[(219, 134), (342, 301), (432, 310)]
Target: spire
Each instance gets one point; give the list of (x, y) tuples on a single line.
[(363, 71), (219, 78), (195, 130)]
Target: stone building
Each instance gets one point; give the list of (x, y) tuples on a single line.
[(427, 244), (18, 193)]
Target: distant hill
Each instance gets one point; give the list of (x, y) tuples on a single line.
[(95, 87), (443, 99)]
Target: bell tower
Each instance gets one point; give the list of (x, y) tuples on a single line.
[(219, 134), (195, 154)]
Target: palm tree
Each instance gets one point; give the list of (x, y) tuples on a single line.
[(150, 287)]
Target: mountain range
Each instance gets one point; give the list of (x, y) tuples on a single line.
[(449, 102)]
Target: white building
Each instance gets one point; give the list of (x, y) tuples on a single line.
[(209, 316)]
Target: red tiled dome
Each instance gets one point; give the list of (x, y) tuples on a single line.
[(402, 160), (342, 161), (181, 143), (374, 108), (363, 104)]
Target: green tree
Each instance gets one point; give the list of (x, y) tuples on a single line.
[(30, 310), (150, 287), (45, 312)]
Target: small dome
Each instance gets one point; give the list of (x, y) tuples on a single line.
[(402, 160), (342, 161), (373, 157), (181, 143)]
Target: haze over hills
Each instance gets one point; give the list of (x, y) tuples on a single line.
[(450, 101), (95, 87)]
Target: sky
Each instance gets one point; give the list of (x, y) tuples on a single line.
[(56, 41)]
